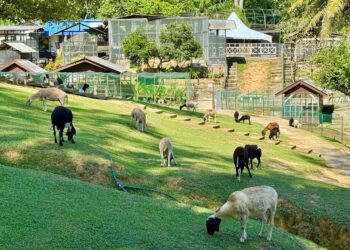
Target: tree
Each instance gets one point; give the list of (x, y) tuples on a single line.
[(332, 67), (118, 8), (320, 17), (178, 44), (139, 49)]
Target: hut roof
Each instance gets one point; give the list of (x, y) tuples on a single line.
[(301, 87), (22, 65), (21, 47), (92, 63)]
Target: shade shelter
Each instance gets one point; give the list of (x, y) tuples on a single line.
[(302, 100), (102, 76)]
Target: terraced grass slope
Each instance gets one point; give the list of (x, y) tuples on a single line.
[(46, 211), (204, 175)]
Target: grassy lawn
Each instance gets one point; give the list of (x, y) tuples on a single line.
[(204, 175), (45, 211)]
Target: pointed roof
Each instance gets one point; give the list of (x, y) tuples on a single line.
[(301, 86), (242, 32), (21, 47), (20, 65), (92, 63)]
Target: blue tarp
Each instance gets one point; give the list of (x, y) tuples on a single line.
[(52, 27), (242, 32)]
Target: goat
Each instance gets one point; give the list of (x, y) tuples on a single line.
[(243, 118), (189, 106), (84, 88), (259, 201), (139, 117), (253, 152), (57, 81), (274, 133), (52, 94), (236, 115), (166, 152), (269, 126), (291, 121), (210, 114), (61, 118), (296, 124), (240, 160)]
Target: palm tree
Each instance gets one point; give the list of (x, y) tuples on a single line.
[(318, 15)]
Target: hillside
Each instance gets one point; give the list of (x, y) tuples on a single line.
[(203, 176)]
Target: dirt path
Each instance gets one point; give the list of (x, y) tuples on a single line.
[(337, 159)]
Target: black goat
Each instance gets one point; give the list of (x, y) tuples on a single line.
[(274, 133), (253, 152), (62, 117), (236, 115), (240, 160), (243, 118), (291, 121)]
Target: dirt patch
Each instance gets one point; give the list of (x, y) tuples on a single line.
[(96, 173), (254, 74), (11, 155), (175, 183), (320, 230)]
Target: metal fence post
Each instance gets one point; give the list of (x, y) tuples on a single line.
[(321, 115), (342, 129)]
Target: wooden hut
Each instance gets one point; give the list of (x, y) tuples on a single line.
[(302, 100), (21, 65)]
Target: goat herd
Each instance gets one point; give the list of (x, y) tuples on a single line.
[(260, 201)]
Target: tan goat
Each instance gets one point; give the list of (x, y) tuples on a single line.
[(259, 202), (51, 94)]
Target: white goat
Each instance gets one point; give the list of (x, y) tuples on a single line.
[(166, 152), (259, 201), (296, 124), (139, 117), (208, 115), (52, 94)]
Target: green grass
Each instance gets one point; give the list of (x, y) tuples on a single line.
[(46, 211), (204, 175)]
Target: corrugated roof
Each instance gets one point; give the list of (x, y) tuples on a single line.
[(21, 47), (27, 65), (20, 27), (107, 64), (93, 60), (70, 27), (306, 84)]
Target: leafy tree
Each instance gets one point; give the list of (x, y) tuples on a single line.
[(315, 16), (118, 8), (332, 67), (178, 44), (139, 49), (18, 10)]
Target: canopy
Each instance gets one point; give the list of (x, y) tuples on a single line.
[(72, 27), (242, 32)]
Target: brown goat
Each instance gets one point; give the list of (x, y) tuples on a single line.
[(269, 126)]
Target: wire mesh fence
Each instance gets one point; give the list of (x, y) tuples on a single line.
[(254, 103), (143, 86), (333, 127)]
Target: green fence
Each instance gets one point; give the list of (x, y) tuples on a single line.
[(143, 86), (254, 103)]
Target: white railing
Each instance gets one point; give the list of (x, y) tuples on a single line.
[(252, 49)]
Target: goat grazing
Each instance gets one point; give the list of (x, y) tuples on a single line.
[(139, 117), (253, 152), (240, 160), (208, 115), (259, 202), (243, 118), (61, 118), (269, 126), (274, 133), (166, 152), (52, 94), (189, 106)]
